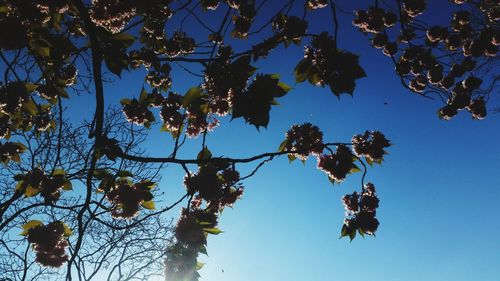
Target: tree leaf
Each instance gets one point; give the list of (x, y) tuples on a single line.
[(150, 205), (30, 107), (285, 87), (354, 169), (203, 250), (212, 230), (31, 191), (59, 172), (352, 235), (67, 185), (282, 145), (191, 96), (301, 71), (199, 265), (204, 154), (143, 96), (124, 174), (125, 39), (29, 225), (67, 230)]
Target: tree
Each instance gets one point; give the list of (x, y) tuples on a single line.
[(53, 51)]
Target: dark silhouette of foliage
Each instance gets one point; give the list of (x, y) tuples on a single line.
[(92, 187)]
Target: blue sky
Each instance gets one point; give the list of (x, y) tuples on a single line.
[(438, 186)]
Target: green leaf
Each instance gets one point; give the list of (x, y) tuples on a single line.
[(343, 231), (124, 174), (204, 154), (314, 78), (301, 71), (355, 169), (274, 102), (282, 145), (191, 96), (284, 86), (30, 108), (29, 225), (124, 38), (203, 250), (146, 184), (115, 65), (20, 186), (67, 230), (150, 205), (352, 235), (125, 102), (67, 185), (291, 158), (101, 173), (212, 230), (199, 265), (31, 191), (143, 96), (369, 161), (41, 47), (30, 87), (59, 172)]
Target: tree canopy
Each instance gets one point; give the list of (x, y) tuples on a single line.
[(83, 187)]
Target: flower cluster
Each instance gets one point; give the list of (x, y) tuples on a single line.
[(181, 263), (224, 79), (361, 212), (420, 66), (47, 91), (43, 119), (126, 197), (243, 21), (179, 44), (5, 127), (160, 77), (199, 121), (66, 75), (461, 99), (210, 4), (191, 233), (137, 113), (324, 64), (291, 28), (218, 188), (316, 4), (49, 243), (11, 151), (189, 228), (370, 145), (413, 8), (112, 15), (48, 186), (170, 112), (337, 165), (305, 139), (374, 20), (12, 97)]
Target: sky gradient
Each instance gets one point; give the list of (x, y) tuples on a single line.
[(439, 186)]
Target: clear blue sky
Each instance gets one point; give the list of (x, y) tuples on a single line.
[(439, 187)]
